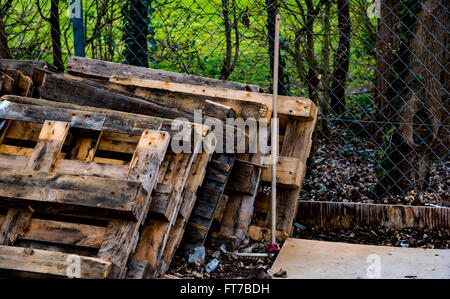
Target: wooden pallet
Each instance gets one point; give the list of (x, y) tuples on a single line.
[(109, 164)]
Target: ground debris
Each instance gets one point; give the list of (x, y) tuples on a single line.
[(230, 265)]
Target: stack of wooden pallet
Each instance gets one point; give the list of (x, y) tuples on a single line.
[(90, 186)]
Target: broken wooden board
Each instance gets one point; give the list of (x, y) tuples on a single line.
[(308, 259), (53, 263), (347, 215), (102, 69)]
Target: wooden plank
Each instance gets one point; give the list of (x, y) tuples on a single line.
[(52, 262), (37, 110), (22, 83), (7, 84), (290, 172), (239, 210), (100, 96), (74, 167), (100, 195), (13, 161), (155, 234), (195, 179), (103, 69), (288, 107), (49, 145), (121, 237), (162, 203), (347, 215), (24, 130), (212, 106), (258, 233), (59, 232), (26, 66), (14, 225)]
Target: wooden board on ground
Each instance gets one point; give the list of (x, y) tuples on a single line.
[(308, 259)]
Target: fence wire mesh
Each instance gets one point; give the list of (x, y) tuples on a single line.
[(378, 71)]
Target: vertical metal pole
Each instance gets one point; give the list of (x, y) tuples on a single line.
[(79, 42), (274, 123)]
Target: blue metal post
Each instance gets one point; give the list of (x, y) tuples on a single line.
[(78, 28)]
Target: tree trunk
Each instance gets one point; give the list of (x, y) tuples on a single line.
[(283, 78), (229, 63), (387, 43), (136, 30), (422, 112), (420, 137), (324, 108), (5, 52), (56, 35), (341, 58)]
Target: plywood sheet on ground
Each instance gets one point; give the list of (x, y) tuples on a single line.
[(318, 259)]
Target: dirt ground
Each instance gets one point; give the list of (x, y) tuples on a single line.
[(233, 266)]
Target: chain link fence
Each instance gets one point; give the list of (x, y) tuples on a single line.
[(378, 71)]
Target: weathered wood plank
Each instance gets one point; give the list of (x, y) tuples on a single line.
[(37, 110), (52, 262), (95, 95), (213, 106), (347, 215), (194, 181), (49, 145), (288, 107), (26, 66), (22, 83), (7, 84), (14, 225), (74, 167), (103, 69), (290, 172), (101, 195), (58, 232)]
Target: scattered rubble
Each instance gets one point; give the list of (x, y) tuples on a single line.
[(225, 264)]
